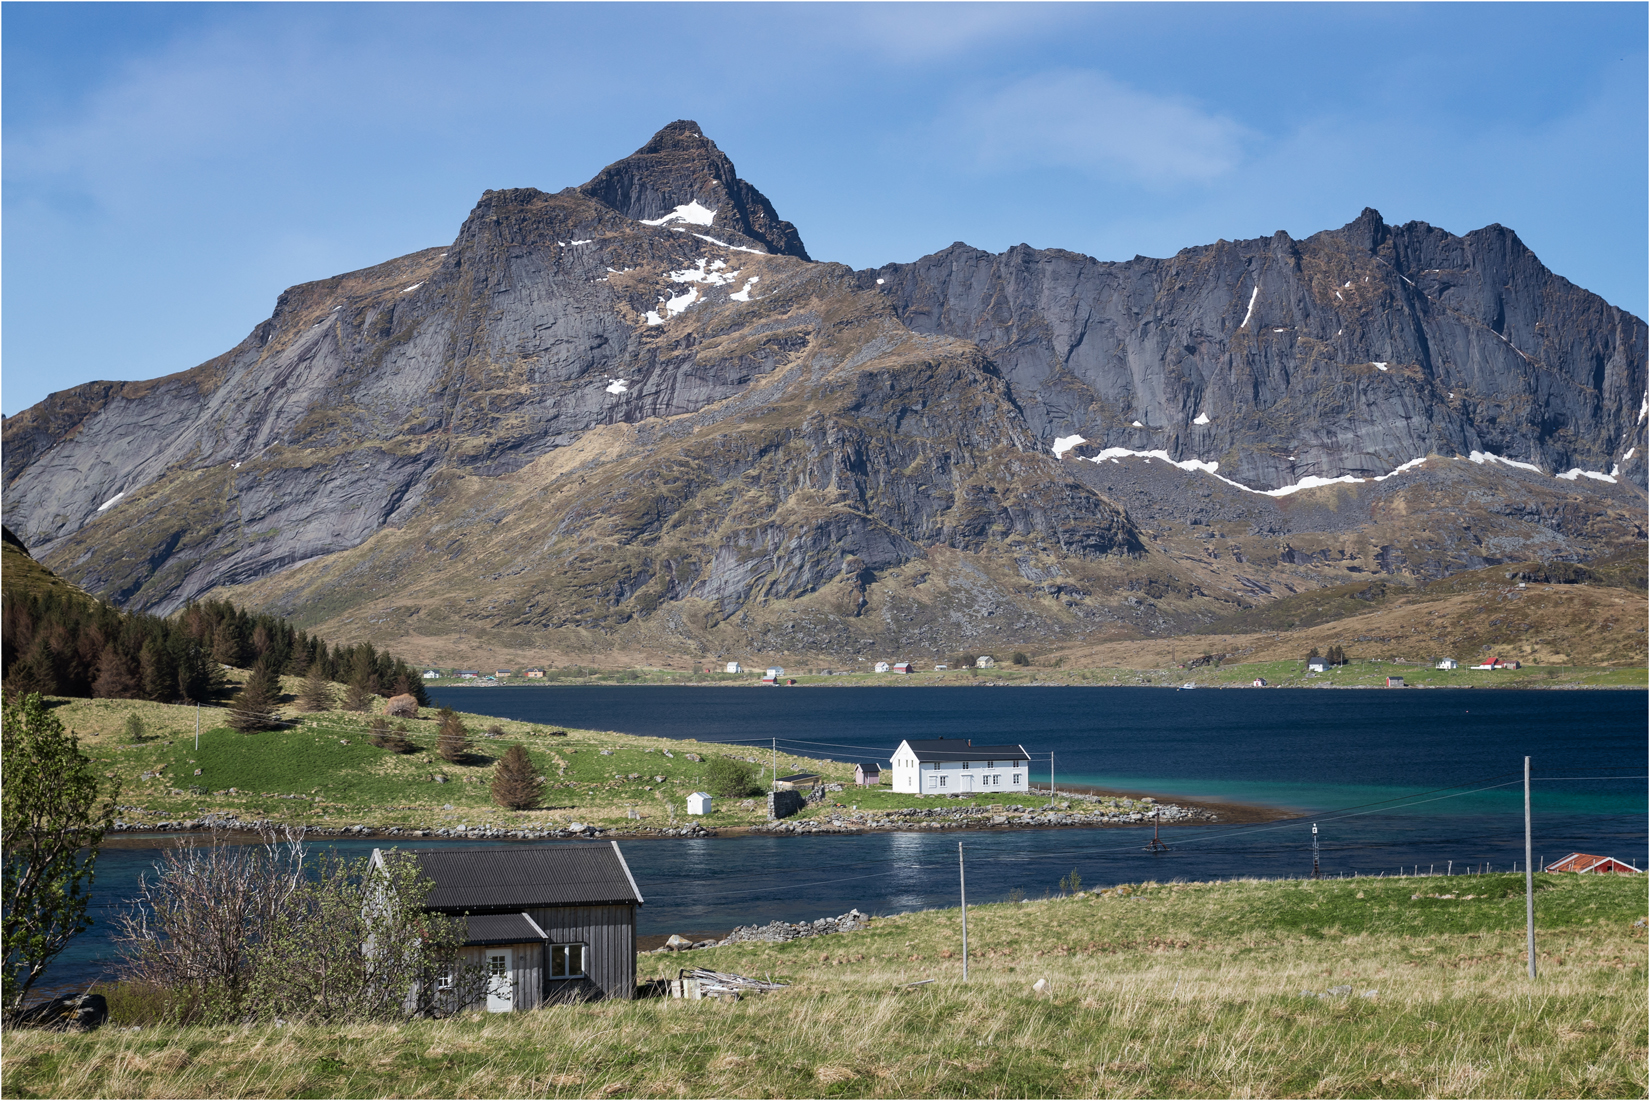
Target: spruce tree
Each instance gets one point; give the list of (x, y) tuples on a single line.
[(516, 782), (357, 697), (316, 694), (254, 709), (453, 743)]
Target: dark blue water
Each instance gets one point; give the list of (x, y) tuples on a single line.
[(1393, 779)]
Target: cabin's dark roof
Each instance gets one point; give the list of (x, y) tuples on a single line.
[(959, 749), (501, 929), (515, 878), (798, 777), (870, 766)]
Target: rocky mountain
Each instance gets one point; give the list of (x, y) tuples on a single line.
[(635, 418)]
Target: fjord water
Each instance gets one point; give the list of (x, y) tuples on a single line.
[(1394, 779)]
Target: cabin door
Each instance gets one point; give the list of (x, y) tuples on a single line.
[(500, 985), (968, 781)]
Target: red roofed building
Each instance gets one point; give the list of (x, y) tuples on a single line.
[(1595, 865)]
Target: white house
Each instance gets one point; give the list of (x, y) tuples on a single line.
[(735, 667), (773, 674), (1318, 665), (984, 661), (881, 667), (431, 674), (952, 766), (699, 803), (1447, 663)]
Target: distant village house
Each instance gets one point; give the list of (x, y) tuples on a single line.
[(881, 667), (1587, 864), (1447, 663), (954, 766), (867, 774), (1395, 682), (735, 667), (535, 674), (985, 661), (467, 674), (902, 667), (1317, 665), (431, 674)]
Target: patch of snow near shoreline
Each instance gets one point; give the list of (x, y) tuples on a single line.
[(1202, 418), (111, 501), (1379, 366), (1482, 457), (1250, 311), (691, 213), (1137, 424), (1576, 472), (744, 293), (1063, 444), (616, 386)]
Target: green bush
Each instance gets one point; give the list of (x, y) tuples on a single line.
[(731, 779)]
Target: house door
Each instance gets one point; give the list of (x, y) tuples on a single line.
[(968, 781), (500, 987)]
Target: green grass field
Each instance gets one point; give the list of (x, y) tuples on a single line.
[(1348, 988)]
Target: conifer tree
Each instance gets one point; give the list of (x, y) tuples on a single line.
[(316, 694), (516, 782), (254, 709), (357, 697), (453, 743)]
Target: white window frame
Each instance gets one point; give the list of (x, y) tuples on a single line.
[(550, 960)]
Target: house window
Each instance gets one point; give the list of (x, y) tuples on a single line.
[(942, 781), (1016, 778), (566, 961), (444, 981)]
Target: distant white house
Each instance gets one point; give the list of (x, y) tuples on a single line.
[(467, 674), (431, 674), (1447, 663), (1317, 665), (735, 667), (881, 667), (773, 674), (699, 803), (984, 661), (955, 766), (941, 668)]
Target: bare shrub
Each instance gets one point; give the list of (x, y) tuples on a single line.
[(404, 706)]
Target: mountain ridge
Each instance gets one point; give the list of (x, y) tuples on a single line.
[(704, 424)]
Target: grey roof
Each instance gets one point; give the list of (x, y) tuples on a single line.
[(501, 929), (516, 877), (870, 766), (959, 749)]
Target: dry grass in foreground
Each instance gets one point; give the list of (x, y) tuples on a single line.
[(1160, 990)]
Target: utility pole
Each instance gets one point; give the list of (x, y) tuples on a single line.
[(776, 760), (962, 891), (1314, 850), (1529, 874), (1155, 845)]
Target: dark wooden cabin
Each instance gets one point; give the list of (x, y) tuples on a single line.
[(558, 919)]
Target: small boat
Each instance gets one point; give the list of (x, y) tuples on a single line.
[(1188, 686)]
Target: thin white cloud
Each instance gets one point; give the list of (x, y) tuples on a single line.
[(1085, 120)]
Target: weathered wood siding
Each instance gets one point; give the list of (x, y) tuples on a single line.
[(527, 965), (609, 932)]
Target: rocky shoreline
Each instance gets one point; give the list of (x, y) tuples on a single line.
[(775, 932), (1070, 811)]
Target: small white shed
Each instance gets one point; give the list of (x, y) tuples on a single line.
[(699, 803)]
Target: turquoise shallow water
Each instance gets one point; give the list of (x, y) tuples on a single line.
[(1395, 779)]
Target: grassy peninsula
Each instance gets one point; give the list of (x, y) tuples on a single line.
[(324, 772), (1339, 988)]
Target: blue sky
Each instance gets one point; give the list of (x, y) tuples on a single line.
[(169, 169)]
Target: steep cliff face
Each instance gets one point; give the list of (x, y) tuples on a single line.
[(1352, 352), (635, 414)]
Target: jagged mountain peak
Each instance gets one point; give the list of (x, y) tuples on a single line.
[(680, 175)]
